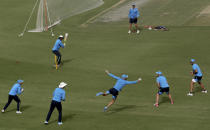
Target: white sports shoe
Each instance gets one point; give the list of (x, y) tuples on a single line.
[(190, 94), (204, 91), (129, 31), (2, 110), (138, 31), (18, 112), (45, 122), (60, 123)]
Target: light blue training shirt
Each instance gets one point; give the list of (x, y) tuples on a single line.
[(162, 81), (196, 67), (59, 94), (16, 89), (133, 13), (57, 45), (121, 82)]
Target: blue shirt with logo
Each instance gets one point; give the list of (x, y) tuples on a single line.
[(162, 81), (133, 13), (59, 95), (57, 45), (195, 67), (16, 89)]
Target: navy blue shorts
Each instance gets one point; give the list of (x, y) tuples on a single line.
[(114, 92), (198, 78), (135, 20), (162, 90)]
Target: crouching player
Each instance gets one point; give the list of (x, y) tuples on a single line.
[(121, 82), (163, 87), (16, 89), (197, 78), (58, 96)]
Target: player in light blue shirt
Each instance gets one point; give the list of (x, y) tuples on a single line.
[(121, 82), (58, 44), (58, 96), (163, 87), (133, 18), (16, 90), (197, 73)]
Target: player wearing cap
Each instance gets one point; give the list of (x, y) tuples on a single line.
[(56, 48), (163, 87), (58, 96), (133, 18), (197, 77), (121, 82), (16, 89)]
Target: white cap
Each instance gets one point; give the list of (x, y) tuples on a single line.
[(61, 36), (62, 85)]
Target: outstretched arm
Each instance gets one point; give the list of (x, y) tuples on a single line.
[(133, 82), (113, 76)]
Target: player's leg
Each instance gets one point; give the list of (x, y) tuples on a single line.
[(10, 98), (52, 107), (169, 95), (16, 98), (136, 25), (59, 108), (201, 84), (160, 92), (110, 103), (59, 57), (130, 25), (157, 100), (194, 80), (103, 94)]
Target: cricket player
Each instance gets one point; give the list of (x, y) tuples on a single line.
[(16, 89), (133, 18), (58, 96), (56, 48), (121, 82), (163, 87), (197, 77)]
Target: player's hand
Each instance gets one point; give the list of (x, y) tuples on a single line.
[(107, 71), (22, 90), (191, 72), (64, 44), (139, 79)]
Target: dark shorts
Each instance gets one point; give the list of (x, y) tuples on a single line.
[(135, 20), (162, 90), (114, 92), (198, 78)]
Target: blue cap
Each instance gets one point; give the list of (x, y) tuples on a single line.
[(20, 81), (158, 72), (124, 76), (192, 60)]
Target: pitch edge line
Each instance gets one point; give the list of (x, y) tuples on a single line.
[(104, 11)]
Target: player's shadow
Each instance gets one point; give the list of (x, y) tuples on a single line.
[(22, 108), (164, 100), (67, 61), (122, 108), (64, 118)]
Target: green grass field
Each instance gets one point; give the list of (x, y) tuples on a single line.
[(101, 46)]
